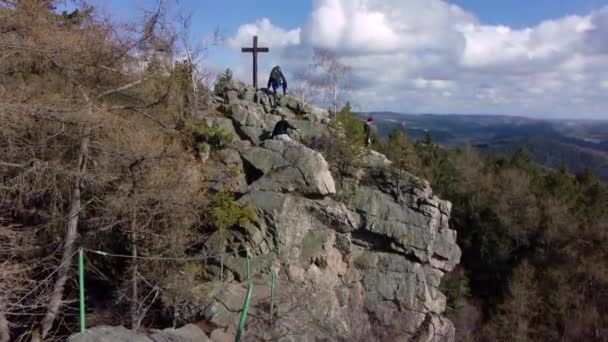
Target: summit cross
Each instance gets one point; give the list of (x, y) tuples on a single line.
[(254, 50)]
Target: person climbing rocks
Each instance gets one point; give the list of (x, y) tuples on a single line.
[(369, 130), (276, 80), (280, 131)]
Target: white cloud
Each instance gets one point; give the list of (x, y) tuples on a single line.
[(551, 40), (350, 26), (422, 83), (414, 55), (268, 35)]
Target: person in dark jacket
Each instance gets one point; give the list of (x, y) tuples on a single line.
[(280, 131), (276, 80)]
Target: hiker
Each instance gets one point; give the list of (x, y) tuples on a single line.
[(369, 128), (280, 130), (277, 79)]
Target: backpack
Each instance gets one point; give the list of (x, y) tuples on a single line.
[(275, 74)]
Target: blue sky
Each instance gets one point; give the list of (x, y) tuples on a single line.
[(534, 57), (230, 14), (524, 13)]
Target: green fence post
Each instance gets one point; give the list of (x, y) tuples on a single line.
[(81, 288), (239, 333)]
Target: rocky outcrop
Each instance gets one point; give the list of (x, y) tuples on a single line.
[(188, 333), (362, 262), (224, 171), (290, 167), (254, 113), (370, 266)]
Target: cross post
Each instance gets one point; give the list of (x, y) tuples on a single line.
[(254, 50)]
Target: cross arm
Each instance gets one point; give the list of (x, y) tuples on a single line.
[(261, 49)]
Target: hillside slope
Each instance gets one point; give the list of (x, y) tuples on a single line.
[(575, 144)]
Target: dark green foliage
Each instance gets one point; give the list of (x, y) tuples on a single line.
[(227, 213), (534, 242), (352, 133), (344, 152), (455, 285), (214, 136), (486, 246), (76, 17), (436, 165), (222, 81), (400, 150)]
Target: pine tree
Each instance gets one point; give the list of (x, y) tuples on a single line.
[(346, 152), (400, 151), (223, 81)]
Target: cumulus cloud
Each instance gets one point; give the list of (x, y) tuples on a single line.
[(551, 40), (350, 26), (269, 35), (430, 55)]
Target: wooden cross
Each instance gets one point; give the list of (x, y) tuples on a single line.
[(255, 49)]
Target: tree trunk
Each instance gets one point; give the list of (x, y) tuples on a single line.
[(134, 301), (4, 330), (335, 101), (68, 248)]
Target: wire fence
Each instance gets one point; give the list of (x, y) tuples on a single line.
[(246, 303), (81, 279)]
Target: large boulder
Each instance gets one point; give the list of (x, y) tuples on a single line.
[(403, 209), (234, 90), (249, 120), (224, 171), (290, 167), (188, 333)]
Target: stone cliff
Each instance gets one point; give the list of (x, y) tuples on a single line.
[(361, 261)]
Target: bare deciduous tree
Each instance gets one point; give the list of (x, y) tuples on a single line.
[(334, 73), (199, 76), (303, 87), (68, 248), (64, 75)]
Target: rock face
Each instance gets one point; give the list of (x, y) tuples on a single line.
[(254, 113), (290, 167), (360, 263), (188, 333)]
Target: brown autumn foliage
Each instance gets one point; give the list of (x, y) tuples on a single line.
[(95, 106), (534, 241)]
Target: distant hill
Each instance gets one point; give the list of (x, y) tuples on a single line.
[(575, 144)]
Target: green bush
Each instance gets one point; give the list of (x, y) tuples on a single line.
[(347, 149), (227, 213), (214, 136), (223, 81), (400, 150), (193, 269)]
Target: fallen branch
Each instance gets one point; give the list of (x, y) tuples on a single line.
[(124, 87), (13, 165), (142, 112)]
